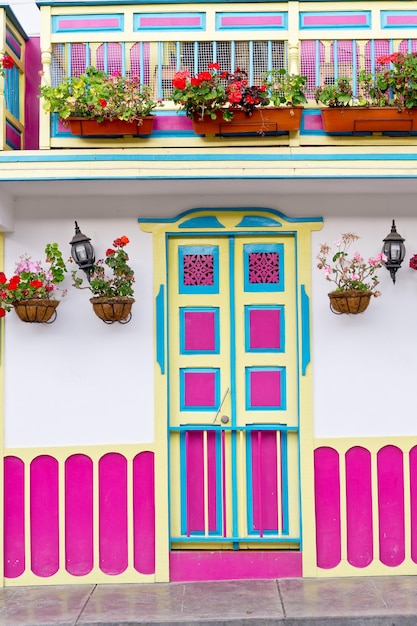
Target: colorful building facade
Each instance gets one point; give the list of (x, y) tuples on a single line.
[(235, 427)]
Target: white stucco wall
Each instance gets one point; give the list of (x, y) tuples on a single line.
[(80, 381), (364, 365)]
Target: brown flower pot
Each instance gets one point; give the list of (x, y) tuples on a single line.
[(90, 127), (350, 301), (36, 311), (368, 119), (113, 309), (263, 120)]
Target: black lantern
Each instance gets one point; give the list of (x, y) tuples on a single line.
[(82, 251), (394, 250)]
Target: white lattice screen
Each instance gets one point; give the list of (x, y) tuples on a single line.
[(322, 61)]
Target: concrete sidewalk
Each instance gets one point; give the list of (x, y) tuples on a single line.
[(373, 601)]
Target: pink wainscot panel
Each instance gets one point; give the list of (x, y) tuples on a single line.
[(327, 501), (391, 506), (196, 565), (79, 515), (413, 502), (144, 513), (44, 526), (359, 507), (14, 517), (113, 513)]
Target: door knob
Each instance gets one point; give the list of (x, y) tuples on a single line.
[(224, 419)]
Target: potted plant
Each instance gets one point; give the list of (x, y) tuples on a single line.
[(95, 103), (224, 102), (112, 292), (356, 280), (386, 101), (32, 290)]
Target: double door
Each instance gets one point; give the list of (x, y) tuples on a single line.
[(233, 406)]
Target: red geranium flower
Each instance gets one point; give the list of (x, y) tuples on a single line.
[(7, 62), (102, 102), (109, 251), (36, 283), (204, 76), (2, 312), (195, 81), (3, 278)]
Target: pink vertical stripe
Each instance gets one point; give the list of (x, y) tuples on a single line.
[(195, 472), (44, 519), (14, 517), (113, 513), (391, 506), (327, 501), (144, 513), (359, 507), (224, 493), (33, 65), (413, 502), (257, 500), (79, 515), (265, 482)]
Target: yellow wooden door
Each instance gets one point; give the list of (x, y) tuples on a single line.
[(233, 391)]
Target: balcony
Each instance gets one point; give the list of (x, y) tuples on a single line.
[(153, 41)]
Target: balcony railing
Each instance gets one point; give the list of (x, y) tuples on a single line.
[(321, 41)]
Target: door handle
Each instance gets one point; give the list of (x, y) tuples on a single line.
[(220, 406)]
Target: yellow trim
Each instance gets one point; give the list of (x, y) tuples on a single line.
[(230, 220)]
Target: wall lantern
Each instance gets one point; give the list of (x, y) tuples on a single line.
[(394, 250), (82, 251)]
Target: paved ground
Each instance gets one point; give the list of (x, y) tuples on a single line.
[(379, 601)]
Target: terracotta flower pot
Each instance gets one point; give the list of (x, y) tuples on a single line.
[(112, 310), (263, 120), (350, 301), (36, 311), (90, 127), (368, 119)]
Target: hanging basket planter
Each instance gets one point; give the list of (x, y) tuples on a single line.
[(36, 311), (112, 310), (368, 119), (263, 120), (92, 128), (351, 301)]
